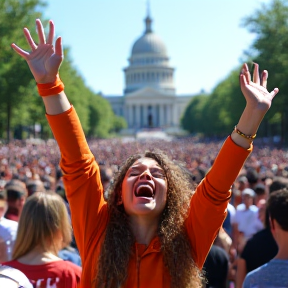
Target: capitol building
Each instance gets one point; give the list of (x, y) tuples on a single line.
[(150, 99)]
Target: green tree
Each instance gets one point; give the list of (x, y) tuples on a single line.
[(76, 90), (270, 50), (216, 114), (119, 123), (21, 105), (224, 106), (193, 117), (101, 117), (14, 72)]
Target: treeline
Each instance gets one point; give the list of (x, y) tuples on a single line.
[(217, 113), (21, 107)]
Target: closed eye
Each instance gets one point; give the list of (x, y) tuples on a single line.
[(158, 175), (134, 174)]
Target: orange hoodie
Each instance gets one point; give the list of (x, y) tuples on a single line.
[(89, 210)]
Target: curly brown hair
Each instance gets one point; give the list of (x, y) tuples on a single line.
[(119, 241)]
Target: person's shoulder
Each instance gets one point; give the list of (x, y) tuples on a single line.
[(253, 277), (68, 266), (15, 275), (231, 208), (249, 280), (12, 263), (258, 236), (254, 241), (253, 208), (7, 223), (269, 274), (72, 271), (240, 207)]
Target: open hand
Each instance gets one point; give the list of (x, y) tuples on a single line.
[(44, 60), (255, 91)]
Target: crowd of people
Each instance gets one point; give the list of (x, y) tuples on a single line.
[(200, 214), (28, 167)]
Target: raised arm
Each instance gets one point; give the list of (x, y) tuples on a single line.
[(44, 61), (208, 206), (80, 171)]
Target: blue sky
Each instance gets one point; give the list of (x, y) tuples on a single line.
[(204, 38)]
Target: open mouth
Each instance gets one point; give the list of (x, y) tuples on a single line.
[(144, 190)]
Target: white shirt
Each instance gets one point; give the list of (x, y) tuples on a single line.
[(8, 233), (232, 211), (8, 229), (247, 220)]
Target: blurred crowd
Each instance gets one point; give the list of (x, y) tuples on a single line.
[(243, 244)]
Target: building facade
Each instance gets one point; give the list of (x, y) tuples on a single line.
[(149, 99)]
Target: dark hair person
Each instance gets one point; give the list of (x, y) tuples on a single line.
[(275, 272), (150, 232)]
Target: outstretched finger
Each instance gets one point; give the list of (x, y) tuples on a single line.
[(29, 39), (51, 33), (274, 92), (243, 80), (246, 73), (58, 47), (20, 51), (256, 78), (40, 31), (264, 78)]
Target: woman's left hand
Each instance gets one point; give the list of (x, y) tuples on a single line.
[(255, 91)]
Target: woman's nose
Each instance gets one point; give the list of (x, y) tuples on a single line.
[(146, 175)]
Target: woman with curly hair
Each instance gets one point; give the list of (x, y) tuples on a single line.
[(152, 232)]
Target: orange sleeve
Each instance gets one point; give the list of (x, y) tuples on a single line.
[(209, 203), (81, 179)]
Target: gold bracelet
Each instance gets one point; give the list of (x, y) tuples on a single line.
[(249, 137)]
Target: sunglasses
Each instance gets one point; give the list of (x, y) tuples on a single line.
[(5, 276)]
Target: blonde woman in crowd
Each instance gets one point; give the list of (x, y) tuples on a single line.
[(151, 232), (43, 230)]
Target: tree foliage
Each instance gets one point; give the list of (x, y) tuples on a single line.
[(270, 50), (20, 104), (221, 110), (14, 72), (193, 117), (217, 113), (102, 120)]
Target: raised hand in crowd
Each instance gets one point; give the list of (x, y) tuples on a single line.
[(44, 61)]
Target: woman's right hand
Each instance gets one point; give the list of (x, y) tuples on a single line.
[(44, 60)]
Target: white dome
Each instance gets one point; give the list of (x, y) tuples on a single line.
[(149, 64), (149, 43)]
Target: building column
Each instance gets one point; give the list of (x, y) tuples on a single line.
[(157, 122), (171, 120), (161, 115), (152, 115), (138, 120), (126, 114), (168, 115), (176, 118), (141, 116), (165, 114), (130, 111), (145, 115)]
